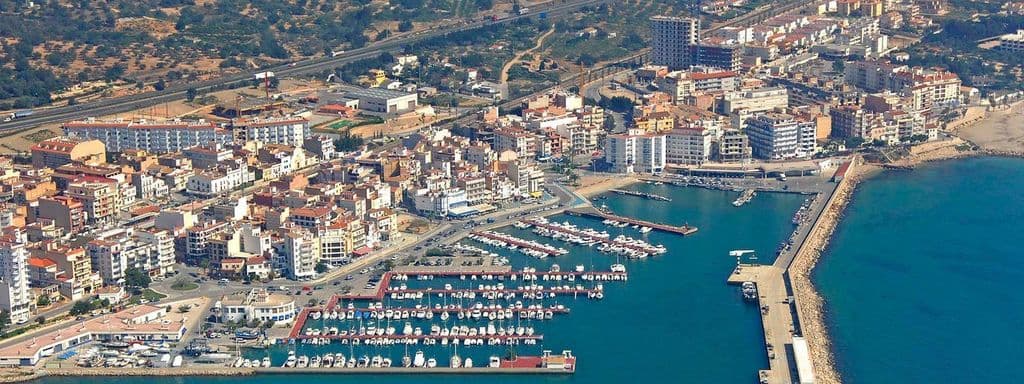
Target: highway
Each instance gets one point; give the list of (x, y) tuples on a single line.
[(177, 92)]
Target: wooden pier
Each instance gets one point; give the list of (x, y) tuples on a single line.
[(596, 214)]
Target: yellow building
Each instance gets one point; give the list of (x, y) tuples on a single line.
[(377, 78), (657, 122)]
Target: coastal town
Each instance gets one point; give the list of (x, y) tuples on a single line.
[(367, 223)]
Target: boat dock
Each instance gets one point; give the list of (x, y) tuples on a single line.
[(747, 272), (776, 317), (474, 273), (412, 370), (640, 194), (594, 213), (377, 313), (539, 289), (589, 237), (403, 339), (745, 197), (547, 250)]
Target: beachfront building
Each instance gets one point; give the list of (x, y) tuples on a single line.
[(779, 136), (139, 323), (635, 151), (256, 304), (689, 145)]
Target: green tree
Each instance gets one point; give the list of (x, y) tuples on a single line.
[(405, 26), (81, 307), (5, 319), (43, 301), (114, 73), (321, 267), (41, 320), (133, 277), (190, 94), (160, 85), (839, 66), (347, 142)]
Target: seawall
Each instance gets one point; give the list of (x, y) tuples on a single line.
[(809, 303)]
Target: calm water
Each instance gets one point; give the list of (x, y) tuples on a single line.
[(675, 319), (922, 282)]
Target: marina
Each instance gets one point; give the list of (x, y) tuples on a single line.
[(629, 247), (530, 248), (645, 195), (564, 326), (595, 213)]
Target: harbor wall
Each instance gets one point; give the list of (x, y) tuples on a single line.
[(21, 375), (809, 304)]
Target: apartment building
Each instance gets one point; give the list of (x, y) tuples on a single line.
[(154, 137), (689, 145), (15, 294), (671, 38), (779, 136), (58, 151), (636, 151), (289, 131)]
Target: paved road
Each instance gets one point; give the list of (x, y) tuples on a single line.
[(177, 92)]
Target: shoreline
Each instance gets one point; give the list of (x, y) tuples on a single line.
[(810, 304)]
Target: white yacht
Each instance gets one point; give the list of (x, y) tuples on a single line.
[(418, 361)]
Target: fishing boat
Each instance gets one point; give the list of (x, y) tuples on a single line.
[(749, 290)]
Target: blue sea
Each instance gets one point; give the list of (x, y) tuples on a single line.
[(675, 320), (922, 281)]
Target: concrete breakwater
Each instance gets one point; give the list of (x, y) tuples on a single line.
[(810, 305)]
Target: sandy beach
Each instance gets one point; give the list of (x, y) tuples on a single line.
[(591, 185), (1001, 132)]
